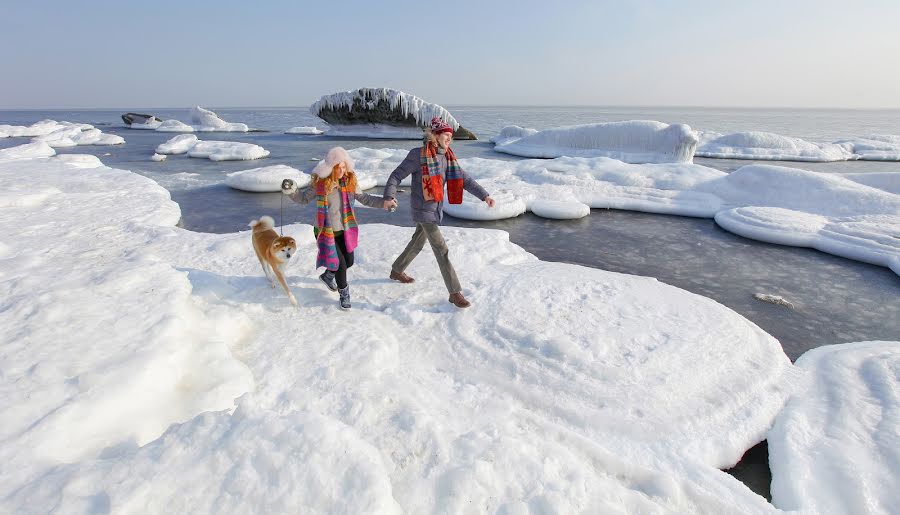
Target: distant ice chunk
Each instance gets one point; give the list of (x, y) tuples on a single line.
[(158, 157), (506, 206), (876, 147), (365, 181), (174, 126), (41, 128), (511, 133), (178, 145), (304, 130), (205, 120), (636, 141), (227, 151), (835, 446), (559, 210), (27, 151), (773, 147), (266, 178)]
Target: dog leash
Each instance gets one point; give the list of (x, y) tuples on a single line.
[(281, 228)]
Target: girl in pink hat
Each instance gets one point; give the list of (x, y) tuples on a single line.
[(333, 187)]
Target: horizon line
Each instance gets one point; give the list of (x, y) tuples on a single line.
[(614, 106)]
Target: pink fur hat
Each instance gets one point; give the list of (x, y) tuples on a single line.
[(333, 157)]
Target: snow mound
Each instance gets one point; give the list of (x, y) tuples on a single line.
[(887, 181), (506, 205), (205, 120), (304, 130), (834, 448), (636, 141), (876, 147), (212, 150), (27, 151), (267, 178), (770, 146), (511, 133), (80, 160), (559, 210), (73, 136)]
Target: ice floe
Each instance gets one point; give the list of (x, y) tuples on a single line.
[(266, 178), (836, 446), (304, 130), (157, 157), (559, 209), (212, 150), (148, 368), (202, 120), (770, 146), (876, 147), (636, 141), (62, 134)]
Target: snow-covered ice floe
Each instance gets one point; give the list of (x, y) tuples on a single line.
[(62, 134), (788, 206), (147, 368), (202, 120), (27, 151), (267, 178), (836, 446), (770, 146), (636, 141), (212, 150), (876, 147), (304, 130)]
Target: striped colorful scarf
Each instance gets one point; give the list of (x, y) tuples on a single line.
[(432, 184), (328, 256)]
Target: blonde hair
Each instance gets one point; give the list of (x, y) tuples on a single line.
[(331, 181)]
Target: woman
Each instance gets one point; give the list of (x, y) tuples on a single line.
[(432, 166), (334, 188)]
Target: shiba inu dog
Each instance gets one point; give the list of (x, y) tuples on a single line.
[(273, 252)]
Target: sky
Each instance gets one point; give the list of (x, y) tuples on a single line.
[(785, 53)]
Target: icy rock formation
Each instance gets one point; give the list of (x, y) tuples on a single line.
[(381, 113), (635, 141), (141, 121), (770, 146)]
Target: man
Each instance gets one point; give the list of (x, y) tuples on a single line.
[(433, 165)]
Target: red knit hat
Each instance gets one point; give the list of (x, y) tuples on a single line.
[(438, 126)]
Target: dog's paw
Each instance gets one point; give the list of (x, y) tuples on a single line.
[(294, 302)]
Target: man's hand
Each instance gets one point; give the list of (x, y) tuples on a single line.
[(489, 201), (288, 187), (390, 205)]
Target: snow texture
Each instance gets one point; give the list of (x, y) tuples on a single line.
[(151, 369), (636, 141), (887, 181), (876, 147), (836, 446), (267, 178), (770, 146), (27, 151)]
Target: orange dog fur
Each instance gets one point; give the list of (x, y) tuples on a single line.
[(273, 252)]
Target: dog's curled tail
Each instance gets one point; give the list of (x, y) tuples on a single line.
[(264, 223)]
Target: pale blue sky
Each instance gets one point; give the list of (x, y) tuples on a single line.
[(286, 53)]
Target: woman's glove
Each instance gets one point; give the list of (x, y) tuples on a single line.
[(288, 187)]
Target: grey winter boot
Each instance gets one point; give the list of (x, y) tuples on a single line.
[(345, 297), (328, 278)]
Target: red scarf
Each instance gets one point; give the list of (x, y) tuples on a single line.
[(432, 182)]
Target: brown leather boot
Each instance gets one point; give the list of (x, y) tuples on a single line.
[(400, 276), (458, 300)]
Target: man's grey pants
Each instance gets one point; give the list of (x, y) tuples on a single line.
[(432, 233)]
